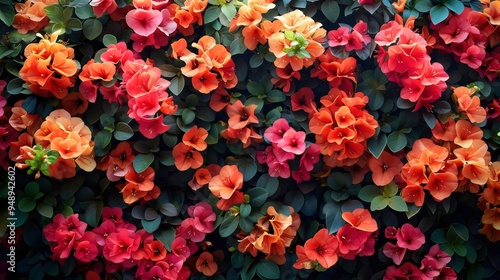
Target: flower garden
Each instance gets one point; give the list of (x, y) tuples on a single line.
[(253, 139)]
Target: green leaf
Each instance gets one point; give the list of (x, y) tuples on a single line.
[(188, 116), (79, 3), (248, 167), (258, 196), (31, 189), (92, 28), (237, 46), (377, 145), (74, 24), (15, 86), (143, 161), (396, 141), (333, 217), (268, 270), (423, 6), (438, 14), (84, 12), (237, 259), (107, 122), (255, 88), (228, 226), (275, 96), (294, 198), (460, 249), (211, 14), (412, 210), (109, 39), (229, 10), (177, 85), (454, 5), (390, 190), (123, 131), (102, 139), (438, 236), (245, 210), (379, 203), (166, 236), (27, 204), (460, 230), (397, 203), (271, 184), (93, 212), (54, 12), (45, 209), (331, 10), (7, 14), (369, 192), (151, 226)]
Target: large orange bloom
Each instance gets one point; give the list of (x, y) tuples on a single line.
[(186, 157), (323, 248), (240, 115), (226, 186)]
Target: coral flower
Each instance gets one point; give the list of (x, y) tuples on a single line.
[(156, 250), (322, 248), (144, 22), (195, 137), (360, 219), (206, 264), (186, 157), (205, 82), (241, 115), (226, 186), (143, 181), (384, 168)]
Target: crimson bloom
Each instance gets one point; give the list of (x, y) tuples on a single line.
[(409, 237)]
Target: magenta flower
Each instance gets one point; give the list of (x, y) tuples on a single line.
[(351, 239), (167, 25), (394, 252), (447, 273), (120, 245), (204, 217), (390, 232), (293, 142), (280, 154), (103, 230), (265, 156), (339, 37), (180, 248), (188, 230), (429, 268), (310, 157), (152, 127), (438, 256), (275, 133), (3, 102), (113, 214), (409, 237), (144, 22), (279, 169), (406, 271)]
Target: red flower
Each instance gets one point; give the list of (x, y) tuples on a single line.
[(86, 249), (156, 250), (409, 237), (152, 127), (120, 245), (394, 252), (322, 248)]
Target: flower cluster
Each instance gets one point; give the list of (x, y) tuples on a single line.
[(272, 234), (122, 245), (356, 237), (187, 153), (342, 127), (210, 68), (433, 265), (152, 24), (469, 37), (240, 124), (287, 145), (403, 58), (457, 158), (49, 68), (31, 15)]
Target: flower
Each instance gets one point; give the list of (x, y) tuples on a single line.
[(409, 237), (226, 186), (322, 248), (206, 264), (186, 157)]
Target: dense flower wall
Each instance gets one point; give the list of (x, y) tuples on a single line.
[(254, 139)]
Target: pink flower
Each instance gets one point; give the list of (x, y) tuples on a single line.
[(88, 90), (3, 102), (493, 109), (86, 248), (152, 127), (406, 271), (293, 142), (279, 169), (429, 268), (365, 2), (438, 256), (112, 214), (473, 57), (409, 237), (394, 252), (310, 157), (390, 232), (103, 231), (339, 37), (120, 245), (188, 230), (275, 132), (280, 154), (204, 216), (447, 273), (144, 22), (101, 6), (180, 248), (266, 155), (167, 25)]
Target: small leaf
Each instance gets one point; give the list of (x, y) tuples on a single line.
[(369, 192), (45, 209), (454, 5), (228, 226), (177, 85), (396, 141), (397, 203), (438, 14), (151, 226), (377, 145), (109, 39), (166, 236), (143, 161), (7, 14), (54, 13), (268, 270), (333, 215), (258, 196), (27, 204), (123, 131), (245, 210), (92, 28), (331, 10), (211, 14), (379, 203)]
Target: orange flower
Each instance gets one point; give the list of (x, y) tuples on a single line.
[(226, 186), (241, 115), (493, 12), (445, 131), (131, 193), (384, 168), (141, 181), (441, 185), (219, 99), (62, 168), (413, 194), (360, 219), (466, 133), (206, 264), (156, 250), (94, 71), (492, 217), (399, 5), (195, 137), (470, 105), (74, 103), (491, 233), (323, 248), (248, 16), (20, 119), (168, 107), (69, 147), (253, 35), (122, 155), (205, 82), (201, 177), (186, 157)]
